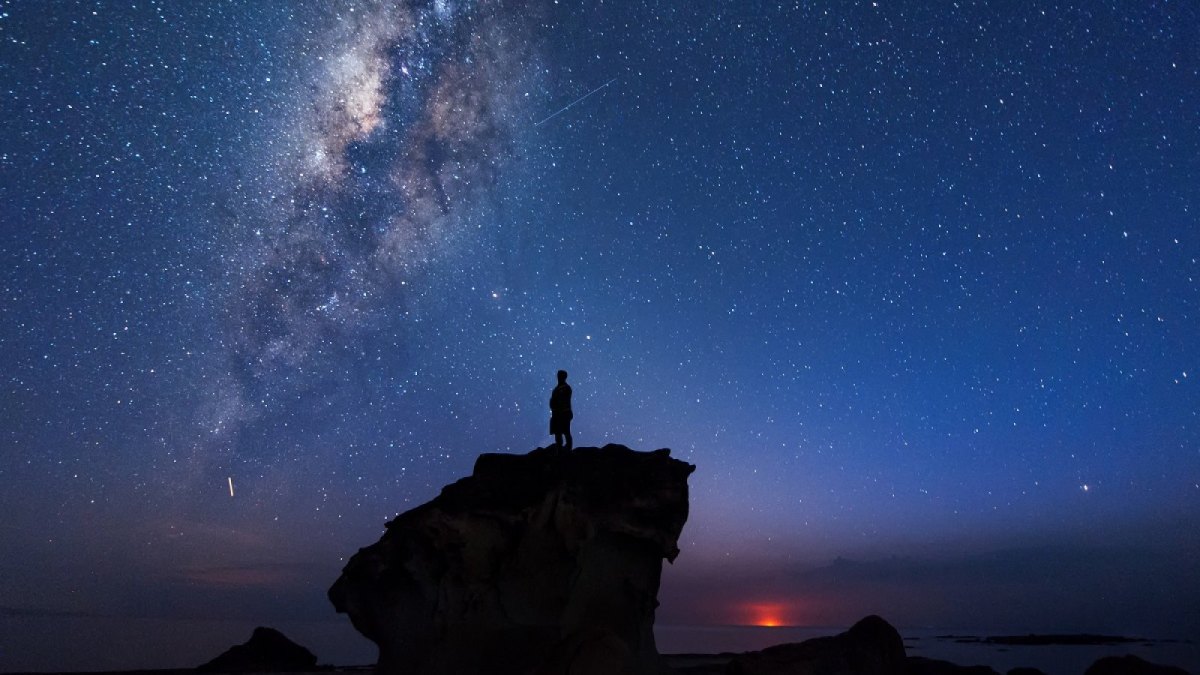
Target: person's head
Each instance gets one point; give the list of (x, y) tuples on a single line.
[(562, 376)]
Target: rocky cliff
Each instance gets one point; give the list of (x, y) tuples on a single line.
[(541, 563)]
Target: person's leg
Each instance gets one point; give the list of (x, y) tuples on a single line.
[(558, 440), (569, 438)]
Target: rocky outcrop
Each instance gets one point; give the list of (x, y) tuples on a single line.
[(1130, 665), (267, 651), (541, 563), (920, 665), (871, 647)]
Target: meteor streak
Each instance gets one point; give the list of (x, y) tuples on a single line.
[(572, 104), (231, 486)]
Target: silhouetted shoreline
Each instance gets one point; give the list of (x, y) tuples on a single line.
[(700, 663), (1034, 639)]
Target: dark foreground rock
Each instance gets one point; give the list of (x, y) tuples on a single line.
[(920, 665), (541, 563), (267, 651), (1130, 665), (870, 647), (1024, 670)]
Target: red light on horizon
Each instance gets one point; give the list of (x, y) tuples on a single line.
[(767, 614)]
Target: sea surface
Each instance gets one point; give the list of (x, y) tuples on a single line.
[(933, 643), (94, 644)]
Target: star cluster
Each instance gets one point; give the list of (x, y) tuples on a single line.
[(909, 282)]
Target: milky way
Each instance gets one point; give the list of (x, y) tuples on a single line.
[(915, 285), (397, 144)]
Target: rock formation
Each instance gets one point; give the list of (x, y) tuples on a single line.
[(267, 651), (871, 647), (1130, 665), (542, 563), (1023, 670), (920, 665)]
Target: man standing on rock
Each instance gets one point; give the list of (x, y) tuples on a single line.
[(560, 410)]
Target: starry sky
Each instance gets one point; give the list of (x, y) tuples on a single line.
[(914, 284)]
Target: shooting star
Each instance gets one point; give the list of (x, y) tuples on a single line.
[(572, 104), (231, 486)]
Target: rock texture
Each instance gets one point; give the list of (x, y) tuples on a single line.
[(267, 651), (871, 647), (542, 563)]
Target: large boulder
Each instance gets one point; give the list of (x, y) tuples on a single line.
[(544, 563), (871, 647), (267, 651)]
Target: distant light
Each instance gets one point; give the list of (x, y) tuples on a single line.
[(767, 614)]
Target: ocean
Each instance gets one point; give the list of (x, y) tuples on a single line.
[(100, 643), (934, 643)]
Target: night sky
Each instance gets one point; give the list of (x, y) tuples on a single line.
[(914, 285)]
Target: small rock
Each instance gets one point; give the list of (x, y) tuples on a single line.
[(919, 665), (267, 651), (871, 647), (1130, 665)]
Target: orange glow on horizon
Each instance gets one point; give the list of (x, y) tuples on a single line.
[(767, 614)]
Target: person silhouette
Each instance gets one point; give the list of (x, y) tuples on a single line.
[(560, 411)]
